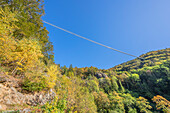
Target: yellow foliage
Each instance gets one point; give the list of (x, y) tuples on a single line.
[(72, 88), (7, 25), (28, 53), (143, 104), (20, 54), (52, 72), (7, 42), (18, 68), (162, 103)]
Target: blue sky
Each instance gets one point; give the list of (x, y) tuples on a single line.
[(133, 26)]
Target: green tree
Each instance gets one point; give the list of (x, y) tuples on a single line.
[(116, 103), (143, 105), (128, 101), (105, 83), (114, 86), (121, 87), (93, 86), (102, 102), (70, 68)]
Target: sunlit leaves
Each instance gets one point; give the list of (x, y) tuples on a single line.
[(102, 102), (51, 76), (143, 105), (162, 103)]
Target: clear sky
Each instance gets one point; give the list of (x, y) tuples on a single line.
[(133, 26)]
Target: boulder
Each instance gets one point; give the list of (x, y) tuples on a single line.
[(100, 75)]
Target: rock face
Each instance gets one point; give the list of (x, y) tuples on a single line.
[(9, 96), (100, 75)]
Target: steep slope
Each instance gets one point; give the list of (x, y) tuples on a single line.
[(128, 86), (150, 59), (29, 78)]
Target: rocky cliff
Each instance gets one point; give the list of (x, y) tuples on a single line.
[(11, 96)]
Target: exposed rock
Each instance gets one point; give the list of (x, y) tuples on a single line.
[(2, 107), (9, 81), (10, 96), (100, 75), (2, 79), (25, 111), (16, 111), (13, 90)]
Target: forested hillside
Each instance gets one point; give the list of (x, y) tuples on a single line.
[(149, 59), (129, 87), (26, 56)]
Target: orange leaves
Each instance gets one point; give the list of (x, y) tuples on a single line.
[(162, 103)]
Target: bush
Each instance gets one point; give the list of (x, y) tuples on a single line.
[(33, 86), (56, 106)]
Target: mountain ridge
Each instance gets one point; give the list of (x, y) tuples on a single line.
[(149, 58)]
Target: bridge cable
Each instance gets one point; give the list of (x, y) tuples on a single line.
[(91, 40)]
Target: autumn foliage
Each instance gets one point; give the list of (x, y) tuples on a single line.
[(162, 103), (27, 54)]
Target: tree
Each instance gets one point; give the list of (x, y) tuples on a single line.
[(64, 70), (114, 86), (19, 54), (34, 78), (162, 103), (51, 76), (128, 101), (70, 68), (55, 106), (134, 77), (102, 102), (121, 87), (93, 86), (91, 71), (27, 53), (105, 83), (116, 103), (7, 42), (29, 13), (143, 105), (78, 97)]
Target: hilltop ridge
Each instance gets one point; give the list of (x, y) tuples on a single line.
[(150, 59)]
